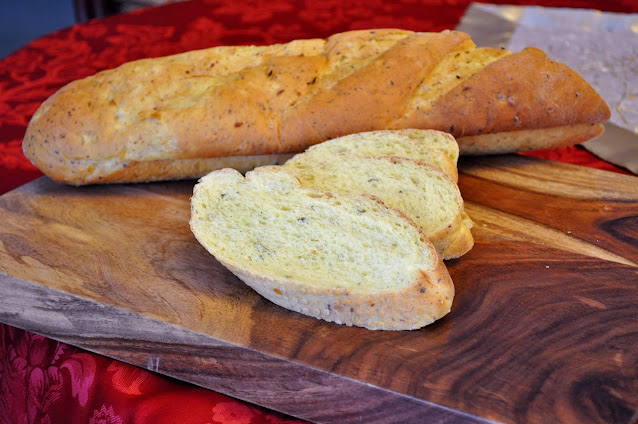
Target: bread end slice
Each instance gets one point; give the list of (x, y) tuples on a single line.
[(346, 259)]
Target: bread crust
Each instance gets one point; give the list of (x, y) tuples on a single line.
[(525, 140), (425, 301), (151, 115), (372, 97), (521, 91)]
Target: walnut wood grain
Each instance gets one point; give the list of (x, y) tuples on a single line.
[(207, 361), (543, 327)]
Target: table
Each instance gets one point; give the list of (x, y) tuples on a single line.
[(67, 384)]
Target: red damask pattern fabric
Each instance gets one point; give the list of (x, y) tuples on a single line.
[(45, 381)]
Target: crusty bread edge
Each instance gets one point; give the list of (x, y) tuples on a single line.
[(161, 170), (526, 140), (409, 309), (456, 239)]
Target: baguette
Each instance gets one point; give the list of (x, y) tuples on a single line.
[(349, 259), (423, 193), (181, 116)]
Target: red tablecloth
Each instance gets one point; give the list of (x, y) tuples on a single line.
[(42, 380)]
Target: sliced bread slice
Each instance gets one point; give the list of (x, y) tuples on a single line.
[(349, 259), (423, 193), (435, 148)]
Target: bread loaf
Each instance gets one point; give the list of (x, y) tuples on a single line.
[(435, 148), (348, 259), (181, 116), (423, 193)]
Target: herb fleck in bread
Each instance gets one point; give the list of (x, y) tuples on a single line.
[(423, 193), (180, 116), (348, 259), (435, 148)]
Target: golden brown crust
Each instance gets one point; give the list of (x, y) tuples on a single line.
[(149, 112), (238, 101), (370, 98), (521, 91), (244, 115), (455, 240)]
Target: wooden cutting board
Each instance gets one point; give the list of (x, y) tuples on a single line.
[(544, 325)]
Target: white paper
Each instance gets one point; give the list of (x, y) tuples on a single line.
[(600, 46)]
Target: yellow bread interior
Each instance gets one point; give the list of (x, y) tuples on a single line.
[(423, 193), (435, 148)]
